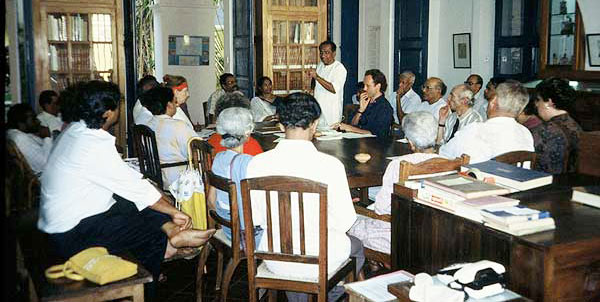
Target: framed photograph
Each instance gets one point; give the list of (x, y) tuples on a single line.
[(462, 50), (593, 46)]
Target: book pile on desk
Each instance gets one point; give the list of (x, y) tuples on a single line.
[(518, 220), (588, 195), (512, 177)]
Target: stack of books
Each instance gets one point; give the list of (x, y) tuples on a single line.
[(588, 195), (518, 220), (512, 177)]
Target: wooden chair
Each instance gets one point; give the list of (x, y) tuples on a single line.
[(588, 157), (21, 184), (259, 276), (224, 246), (202, 157), (518, 158), (147, 152), (431, 166)]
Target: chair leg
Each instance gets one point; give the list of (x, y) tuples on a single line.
[(272, 295), (200, 270), (220, 257), (252, 294), (231, 266)]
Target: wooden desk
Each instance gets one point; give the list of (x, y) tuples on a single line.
[(360, 175), (558, 265)]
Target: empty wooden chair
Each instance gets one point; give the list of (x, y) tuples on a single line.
[(431, 166), (518, 158), (259, 276)]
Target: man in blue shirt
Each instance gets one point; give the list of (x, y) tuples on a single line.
[(375, 114)]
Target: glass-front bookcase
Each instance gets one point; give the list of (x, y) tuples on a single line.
[(292, 31), (561, 42)]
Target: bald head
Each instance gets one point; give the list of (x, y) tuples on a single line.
[(433, 89)]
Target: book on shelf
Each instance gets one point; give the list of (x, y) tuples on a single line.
[(464, 186), (525, 231), (588, 195), (510, 176), (514, 214)]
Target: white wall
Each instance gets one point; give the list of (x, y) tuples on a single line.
[(590, 10), (186, 17), (376, 38), (448, 17)]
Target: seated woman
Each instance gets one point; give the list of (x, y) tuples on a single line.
[(182, 94), (557, 143), (264, 103), (172, 134), (235, 126), (230, 100), (420, 129)]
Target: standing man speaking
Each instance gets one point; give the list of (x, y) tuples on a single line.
[(330, 78)]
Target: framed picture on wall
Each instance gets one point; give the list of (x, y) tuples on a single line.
[(462, 50), (593, 46)]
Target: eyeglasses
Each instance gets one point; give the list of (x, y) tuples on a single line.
[(470, 83), (428, 87)]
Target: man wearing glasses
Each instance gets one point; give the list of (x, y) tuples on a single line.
[(475, 82), (433, 91)]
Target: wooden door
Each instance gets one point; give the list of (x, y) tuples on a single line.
[(349, 47), (410, 36), (243, 45)]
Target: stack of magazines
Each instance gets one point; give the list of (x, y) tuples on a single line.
[(518, 220)]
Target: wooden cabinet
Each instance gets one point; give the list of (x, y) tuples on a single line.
[(558, 265), (79, 41), (288, 36)]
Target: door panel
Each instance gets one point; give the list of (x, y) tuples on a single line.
[(243, 46)]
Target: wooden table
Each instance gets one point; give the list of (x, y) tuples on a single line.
[(360, 175), (557, 265)]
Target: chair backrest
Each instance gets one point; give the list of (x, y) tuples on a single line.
[(200, 152), (588, 157), (22, 186), (517, 158), (229, 187), (431, 166), (284, 186), (147, 152)]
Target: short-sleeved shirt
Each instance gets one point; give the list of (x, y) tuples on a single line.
[(378, 117), (83, 172), (470, 116), (251, 146), (52, 122), (433, 108)]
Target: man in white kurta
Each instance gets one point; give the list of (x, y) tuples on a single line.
[(22, 128), (330, 78), (475, 83), (406, 97), (500, 134), (297, 156)]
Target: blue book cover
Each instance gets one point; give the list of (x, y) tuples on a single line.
[(516, 213), (508, 171)]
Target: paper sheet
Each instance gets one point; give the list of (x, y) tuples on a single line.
[(375, 289), (351, 135), (403, 140)]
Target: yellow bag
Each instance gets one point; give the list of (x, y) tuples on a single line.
[(188, 191), (94, 264)]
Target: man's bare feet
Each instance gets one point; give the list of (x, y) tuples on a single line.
[(191, 238)]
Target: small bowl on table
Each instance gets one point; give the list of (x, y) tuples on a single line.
[(362, 157)]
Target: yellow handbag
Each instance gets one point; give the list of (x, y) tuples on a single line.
[(94, 264)]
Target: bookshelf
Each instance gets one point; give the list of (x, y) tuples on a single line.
[(291, 33), (78, 41)]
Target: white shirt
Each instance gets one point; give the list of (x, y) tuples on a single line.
[(84, 170), (50, 121), (432, 108), (331, 103), (484, 141), (410, 102), (143, 116), (172, 136), (470, 116), (300, 158), (34, 148), (261, 109), (481, 105), (376, 234)]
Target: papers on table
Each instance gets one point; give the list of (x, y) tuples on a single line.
[(278, 139), (205, 133), (376, 289), (330, 134)]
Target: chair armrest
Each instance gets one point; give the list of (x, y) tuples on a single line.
[(218, 219), (371, 214)]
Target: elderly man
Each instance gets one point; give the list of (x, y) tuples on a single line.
[(23, 130), (460, 102), (474, 82), (297, 156), (90, 197), (407, 100), (49, 116), (228, 84), (375, 114), (419, 129), (433, 91), (330, 78), (500, 134)]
